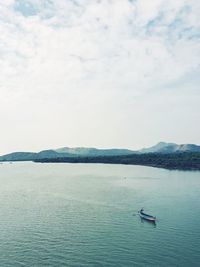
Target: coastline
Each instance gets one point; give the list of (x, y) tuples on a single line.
[(144, 165), (174, 161), (180, 161)]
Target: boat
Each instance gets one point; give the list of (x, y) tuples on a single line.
[(146, 216)]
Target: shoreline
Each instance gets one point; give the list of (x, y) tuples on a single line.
[(180, 161), (177, 161)]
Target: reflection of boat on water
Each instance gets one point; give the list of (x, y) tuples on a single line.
[(146, 217)]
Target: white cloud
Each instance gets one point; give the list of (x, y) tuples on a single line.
[(84, 52)]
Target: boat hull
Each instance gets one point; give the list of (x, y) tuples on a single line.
[(147, 218)]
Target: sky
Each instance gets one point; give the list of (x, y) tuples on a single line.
[(98, 73)]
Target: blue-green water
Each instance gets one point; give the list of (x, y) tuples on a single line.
[(83, 215)]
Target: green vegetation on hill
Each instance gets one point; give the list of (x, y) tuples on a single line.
[(179, 161)]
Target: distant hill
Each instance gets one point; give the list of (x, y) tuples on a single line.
[(65, 152), (30, 156), (83, 151), (19, 156), (165, 148)]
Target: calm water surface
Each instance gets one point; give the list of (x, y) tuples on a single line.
[(84, 215)]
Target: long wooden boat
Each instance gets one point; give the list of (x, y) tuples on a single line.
[(146, 216)]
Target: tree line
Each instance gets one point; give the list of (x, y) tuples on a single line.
[(179, 161)]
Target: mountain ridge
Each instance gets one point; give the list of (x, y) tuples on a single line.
[(161, 147)]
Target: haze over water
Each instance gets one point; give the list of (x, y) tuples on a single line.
[(85, 215)]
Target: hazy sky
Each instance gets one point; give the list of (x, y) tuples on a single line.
[(110, 73)]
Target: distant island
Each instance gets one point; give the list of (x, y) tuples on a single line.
[(163, 155)]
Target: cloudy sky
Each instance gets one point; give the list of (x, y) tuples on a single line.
[(98, 73)]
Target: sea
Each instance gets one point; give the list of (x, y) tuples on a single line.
[(61, 214)]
